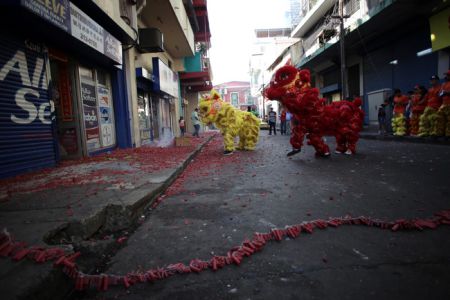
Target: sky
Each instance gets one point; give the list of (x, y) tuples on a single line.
[(232, 24)]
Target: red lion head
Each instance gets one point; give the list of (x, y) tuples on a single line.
[(283, 80)]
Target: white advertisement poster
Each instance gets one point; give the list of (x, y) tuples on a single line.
[(103, 96), (107, 135), (106, 117), (168, 80)]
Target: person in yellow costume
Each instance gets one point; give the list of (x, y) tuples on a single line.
[(230, 121), (428, 120), (443, 121), (418, 104), (399, 120)]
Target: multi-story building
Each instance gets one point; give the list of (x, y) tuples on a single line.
[(197, 75), (387, 46), (78, 78), (237, 93), (166, 37), (268, 44), (294, 12), (63, 92)]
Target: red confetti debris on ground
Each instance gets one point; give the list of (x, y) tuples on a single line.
[(69, 212), (122, 239), (212, 157), (110, 168)]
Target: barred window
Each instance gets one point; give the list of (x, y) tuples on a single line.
[(351, 6)]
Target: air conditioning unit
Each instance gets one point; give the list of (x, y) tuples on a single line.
[(150, 40), (326, 35)]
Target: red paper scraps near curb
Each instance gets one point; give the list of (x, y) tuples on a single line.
[(18, 251)]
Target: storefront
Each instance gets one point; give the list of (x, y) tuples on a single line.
[(157, 97), (59, 86), (166, 95), (147, 108)]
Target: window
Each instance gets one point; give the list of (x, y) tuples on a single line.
[(351, 6), (234, 99), (95, 91)]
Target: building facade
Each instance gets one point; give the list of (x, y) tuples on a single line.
[(159, 101), (196, 79), (387, 46), (169, 79), (237, 93), (78, 78), (61, 100), (267, 46)]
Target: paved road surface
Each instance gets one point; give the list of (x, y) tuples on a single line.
[(219, 201)]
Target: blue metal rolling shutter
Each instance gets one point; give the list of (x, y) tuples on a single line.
[(27, 140)]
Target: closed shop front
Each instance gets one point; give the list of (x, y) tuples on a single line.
[(27, 132), (165, 96), (57, 99), (148, 107)]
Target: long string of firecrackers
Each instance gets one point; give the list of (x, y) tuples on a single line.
[(18, 251)]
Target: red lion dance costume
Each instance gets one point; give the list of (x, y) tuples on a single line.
[(342, 119)]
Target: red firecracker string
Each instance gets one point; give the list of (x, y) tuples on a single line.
[(18, 251)]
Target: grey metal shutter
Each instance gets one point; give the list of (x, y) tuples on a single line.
[(27, 138)]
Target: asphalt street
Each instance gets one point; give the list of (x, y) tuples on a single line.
[(220, 200)]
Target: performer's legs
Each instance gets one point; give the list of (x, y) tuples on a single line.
[(341, 143), (425, 123), (436, 121), (297, 136), (447, 120), (228, 142), (249, 137), (352, 139), (414, 122), (317, 142), (399, 124), (442, 120)]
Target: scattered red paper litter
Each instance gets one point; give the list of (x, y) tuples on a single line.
[(103, 168), (69, 212), (212, 157), (121, 239)]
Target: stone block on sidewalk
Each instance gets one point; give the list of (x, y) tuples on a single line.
[(182, 141)]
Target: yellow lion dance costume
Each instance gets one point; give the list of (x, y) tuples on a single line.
[(230, 121)]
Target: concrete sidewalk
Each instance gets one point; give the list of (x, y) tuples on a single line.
[(371, 132), (85, 205)]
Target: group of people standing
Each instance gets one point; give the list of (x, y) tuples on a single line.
[(195, 121), (420, 113), (285, 122)]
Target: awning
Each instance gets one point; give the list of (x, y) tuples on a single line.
[(196, 81)]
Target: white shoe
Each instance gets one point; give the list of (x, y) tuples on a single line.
[(348, 152), (338, 152)]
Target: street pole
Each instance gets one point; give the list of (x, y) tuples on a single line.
[(263, 102), (342, 47)]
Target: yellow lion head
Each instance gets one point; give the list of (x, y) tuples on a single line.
[(209, 106)]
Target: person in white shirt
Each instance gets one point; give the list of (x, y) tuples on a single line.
[(272, 121), (195, 122)]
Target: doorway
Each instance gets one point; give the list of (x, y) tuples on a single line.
[(353, 81), (67, 122)]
